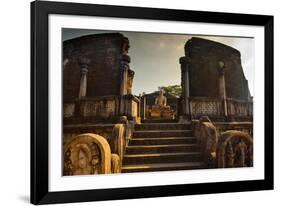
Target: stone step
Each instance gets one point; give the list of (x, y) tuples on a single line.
[(169, 148), (162, 126), (162, 140), (163, 167), (135, 159), (161, 133)]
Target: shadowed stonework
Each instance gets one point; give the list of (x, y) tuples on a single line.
[(104, 53), (205, 56), (206, 123)]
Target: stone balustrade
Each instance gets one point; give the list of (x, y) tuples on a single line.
[(214, 108), (102, 109), (224, 144), (205, 106)]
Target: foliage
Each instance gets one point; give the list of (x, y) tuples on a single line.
[(172, 89)]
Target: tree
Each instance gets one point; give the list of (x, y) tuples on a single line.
[(172, 89)]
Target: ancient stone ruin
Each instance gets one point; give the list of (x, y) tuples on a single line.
[(97, 79), (107, 129), (213, 82)]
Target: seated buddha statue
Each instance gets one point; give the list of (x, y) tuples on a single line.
[(160, 109), (161, 100)]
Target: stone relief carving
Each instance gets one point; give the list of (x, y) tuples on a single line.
[(207, 136), (118, 140), (87, 154), (235, 149)]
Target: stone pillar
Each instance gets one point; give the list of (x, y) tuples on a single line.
[(124, 67), (125, 60), (221, 85), (130, 78), (185, 64), (143, 106), (84, 64)]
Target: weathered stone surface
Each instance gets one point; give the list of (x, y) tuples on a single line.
[(205, 56), (97, 79), (246, 127), (104, 52), (207, 137), (70, 131), (99, 107), (235, 149), (68, 110), (118, 140), (131, 75), (115, 164), (87, 154), (130, 107)]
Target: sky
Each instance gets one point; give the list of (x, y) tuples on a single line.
[(155, 56)]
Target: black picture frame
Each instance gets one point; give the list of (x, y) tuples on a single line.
[(40, 108)]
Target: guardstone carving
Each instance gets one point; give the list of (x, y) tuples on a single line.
[(87, 154), (235, 149)]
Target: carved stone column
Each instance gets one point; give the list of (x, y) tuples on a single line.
[(130, 79), (124, 67), (125, 60), (84, 65), (185, 64), (221, 85)]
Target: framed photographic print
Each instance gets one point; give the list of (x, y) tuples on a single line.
[(131, 102)]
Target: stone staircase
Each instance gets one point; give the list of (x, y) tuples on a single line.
[(162, 147)]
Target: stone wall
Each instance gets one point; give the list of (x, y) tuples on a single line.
[(204, 57), (104, 52)]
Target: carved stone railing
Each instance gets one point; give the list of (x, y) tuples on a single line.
[(215, 109), (205, 106), (102, 109), (94, 109), (246, 127), (238, 108), (118, 140), (206, 135), (121, 134), (223, 147), (234, 149)]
